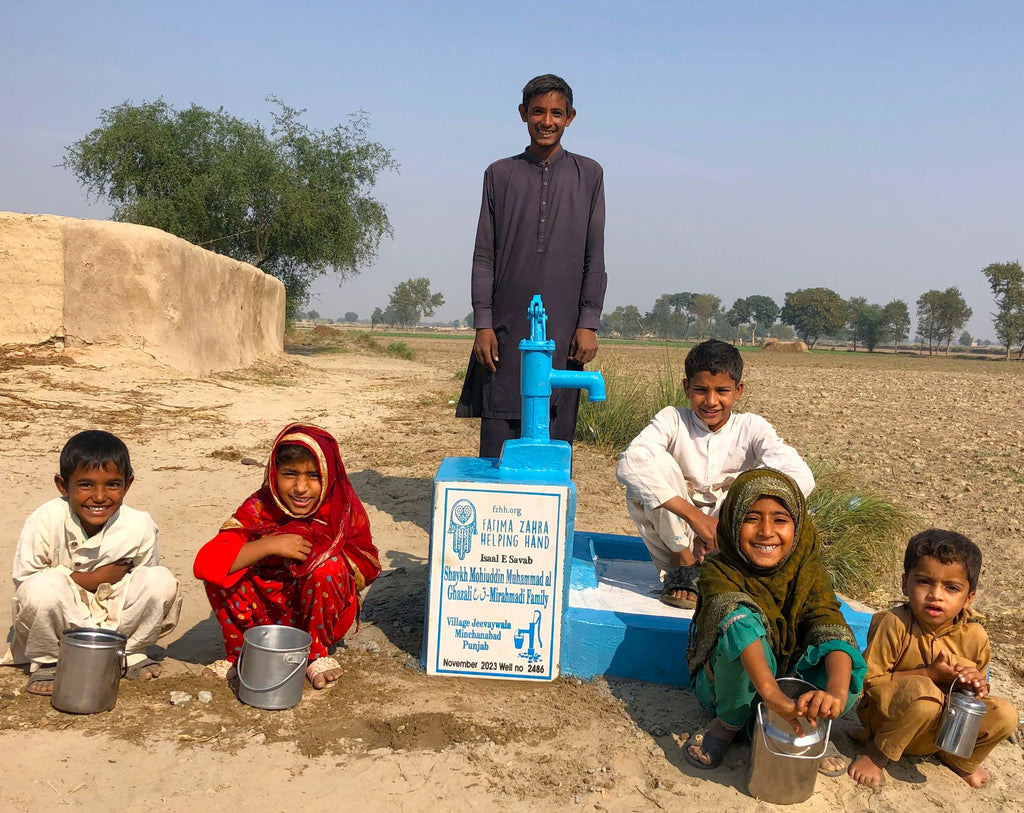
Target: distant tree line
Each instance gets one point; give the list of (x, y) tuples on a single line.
[(817, 313)]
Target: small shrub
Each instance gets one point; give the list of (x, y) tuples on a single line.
[(400, 350), (363, 339), (631, 403), (862, 535)]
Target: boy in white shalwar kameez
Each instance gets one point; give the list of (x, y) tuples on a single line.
[(85, 559), (678, 470)]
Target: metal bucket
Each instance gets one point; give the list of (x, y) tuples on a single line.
[(961, 723), (272, 665), (784, 764), (90, 665)]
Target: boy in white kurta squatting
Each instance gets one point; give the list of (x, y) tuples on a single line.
[(678, 469), (84, 559)]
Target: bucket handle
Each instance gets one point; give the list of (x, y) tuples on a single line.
[(964, 688), (791, 738), (292, 657)]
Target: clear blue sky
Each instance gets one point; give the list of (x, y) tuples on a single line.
[(749, 147)]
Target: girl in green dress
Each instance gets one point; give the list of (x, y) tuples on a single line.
[(766, 609)]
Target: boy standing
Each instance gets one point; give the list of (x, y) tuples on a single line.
[(85, 559), (917, 651), (541, 231), (678, 470)]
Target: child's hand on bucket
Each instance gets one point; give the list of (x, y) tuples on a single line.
[(819, 704)]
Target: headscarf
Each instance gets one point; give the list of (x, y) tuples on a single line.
[(794, 598), (337, 526)]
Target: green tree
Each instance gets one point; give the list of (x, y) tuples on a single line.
[(929, 305), (1007, 283), (468, 321), (765, 311), (351, 316), (682, 307), (940, 314), (965, 340), (313, 316), (871, 325), (376, 318), (741, 314), (704, 308), (782, 332), (854, 305), (412, 300), (955, 314), (663, 320), (625, 320), (814, 312), (897, 322), (294, 202)]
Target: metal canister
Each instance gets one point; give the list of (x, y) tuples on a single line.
[(961, 722), (784, 764), (90, 665)]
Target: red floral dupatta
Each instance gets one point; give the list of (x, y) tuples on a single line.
[(338, 526)]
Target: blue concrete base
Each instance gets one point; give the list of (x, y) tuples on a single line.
[(629, 644)]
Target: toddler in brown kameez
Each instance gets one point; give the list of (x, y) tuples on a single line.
[(916, 651)]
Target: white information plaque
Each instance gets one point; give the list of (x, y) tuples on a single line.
[(497, 554)]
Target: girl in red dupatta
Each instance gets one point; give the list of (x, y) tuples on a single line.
[(297, 552)]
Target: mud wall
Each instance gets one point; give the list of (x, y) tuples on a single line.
[(99, 282)]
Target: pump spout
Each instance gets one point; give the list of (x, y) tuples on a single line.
[(592, 382), (533, 454)]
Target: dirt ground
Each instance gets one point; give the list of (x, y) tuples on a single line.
[(943, 438)]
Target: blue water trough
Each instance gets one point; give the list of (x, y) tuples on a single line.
[(616, 624)]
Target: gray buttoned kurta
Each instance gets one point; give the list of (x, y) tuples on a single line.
[(541, 231)]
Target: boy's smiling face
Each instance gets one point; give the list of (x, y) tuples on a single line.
[(712, 396), (936, 592), (546, 118), (94, 494)]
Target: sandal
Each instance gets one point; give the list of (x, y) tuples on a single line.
[(681, 580), (42, 675), (143, 670), (711, 744), (831, 752)]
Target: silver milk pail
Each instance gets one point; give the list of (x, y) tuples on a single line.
[(272, 666), (90, 665), (961, 722), (784, 764)]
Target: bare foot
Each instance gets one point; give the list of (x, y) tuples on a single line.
[(147, 670), (977, 778), (323, 671), (866, 768), (223, 669)]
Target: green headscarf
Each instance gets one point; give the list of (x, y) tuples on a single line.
[(794, 598)]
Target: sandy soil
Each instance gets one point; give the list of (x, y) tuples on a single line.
[(943, 437)]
